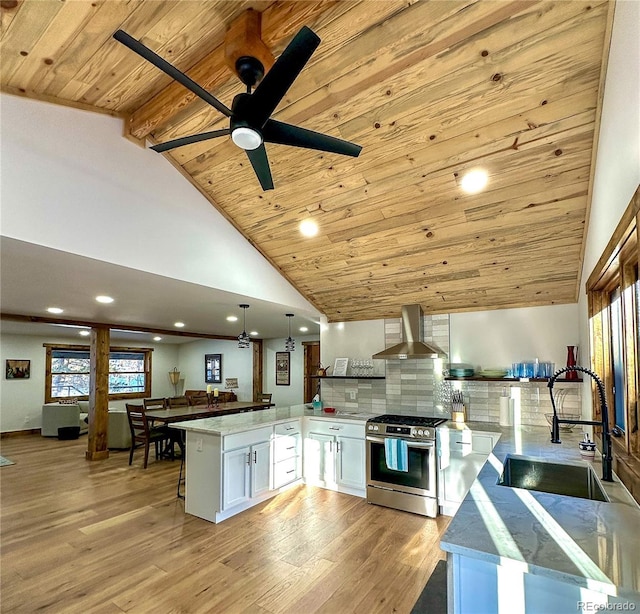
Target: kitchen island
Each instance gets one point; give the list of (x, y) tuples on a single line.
[(235, 462), (517, 550)]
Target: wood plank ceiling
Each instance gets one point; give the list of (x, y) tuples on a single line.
[(430, 89)]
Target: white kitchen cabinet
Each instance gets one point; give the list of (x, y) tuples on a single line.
[(287, 453), (246, 474), (334, 456), (461, 454)]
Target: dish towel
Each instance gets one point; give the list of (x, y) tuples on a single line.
[(396, 454)]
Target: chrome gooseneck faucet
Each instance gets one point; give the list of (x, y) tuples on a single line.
[(607, 457)]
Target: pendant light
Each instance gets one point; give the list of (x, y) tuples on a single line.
[(289, 344), (244, 341)]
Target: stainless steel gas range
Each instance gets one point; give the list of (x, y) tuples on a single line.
[(402, 463)]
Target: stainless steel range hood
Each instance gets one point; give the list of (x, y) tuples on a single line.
[(413, 344)]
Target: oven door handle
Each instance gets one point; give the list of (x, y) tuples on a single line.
[(411, 444)]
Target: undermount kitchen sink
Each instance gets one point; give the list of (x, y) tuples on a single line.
[(570, 479)]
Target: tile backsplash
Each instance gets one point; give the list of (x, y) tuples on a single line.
[(417, 386)]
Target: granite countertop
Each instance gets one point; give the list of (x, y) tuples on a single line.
[(236, 423), (586, 543)]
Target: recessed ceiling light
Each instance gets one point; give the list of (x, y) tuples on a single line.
[(104, 299), (157, 338), (84, 333), (474, 181), (303, 329), (253, 333), (308, 228), (179, 324), (54, 310), (232, 318)]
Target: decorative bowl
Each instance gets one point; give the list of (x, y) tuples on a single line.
[(563, 427)]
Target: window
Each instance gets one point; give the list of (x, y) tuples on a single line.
[(614, 317), (69, 367)]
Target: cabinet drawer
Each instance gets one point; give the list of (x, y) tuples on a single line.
[(341, 429), (482, 443), (287, 428), (286, 446), (286, 471), (247, 438)]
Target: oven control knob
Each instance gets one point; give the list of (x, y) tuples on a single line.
[(420, 432)]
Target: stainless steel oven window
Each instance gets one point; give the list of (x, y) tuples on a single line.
[(419, 479)]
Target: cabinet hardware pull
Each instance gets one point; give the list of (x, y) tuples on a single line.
[(334, 428), (337, 446), (290, 428), (255, 456), (291, 448), (248, 458), (292, 471), (466, 443)]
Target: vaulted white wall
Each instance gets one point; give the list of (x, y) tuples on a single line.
[(70, 181)]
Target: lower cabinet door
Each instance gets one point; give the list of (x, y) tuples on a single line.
[(351, 465), (319, 459), (236, 472), (260, 468)]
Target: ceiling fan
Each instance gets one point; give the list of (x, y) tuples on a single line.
[(250, 123)]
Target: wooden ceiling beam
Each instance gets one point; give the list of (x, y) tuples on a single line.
[(213, 70)]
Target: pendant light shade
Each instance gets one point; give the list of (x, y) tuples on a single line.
[(244, 341), (289, 344)]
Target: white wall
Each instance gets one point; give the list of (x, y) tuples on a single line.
[(352, 340), (294, 393), (235, 363), (21, 400), (617, 171), (70, 181), (499, 338)]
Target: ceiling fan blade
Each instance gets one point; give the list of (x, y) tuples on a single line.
[(286, 134), (188, 140), (260, 163), (151, 56), (283, 73)]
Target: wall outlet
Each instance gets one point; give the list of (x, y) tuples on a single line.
[(27, 421), (353, 394), (199, 445)]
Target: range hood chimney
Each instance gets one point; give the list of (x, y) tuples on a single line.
[(413, 345)]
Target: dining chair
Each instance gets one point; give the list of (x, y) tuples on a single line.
[(150, 404), (178, 402), (142, 433), (199, 397)]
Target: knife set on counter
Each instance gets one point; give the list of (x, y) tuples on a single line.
[(458, 410)]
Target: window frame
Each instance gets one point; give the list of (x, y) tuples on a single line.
[(618, 267), (51, 347)]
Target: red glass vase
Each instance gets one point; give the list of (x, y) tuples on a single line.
[(572, 356)]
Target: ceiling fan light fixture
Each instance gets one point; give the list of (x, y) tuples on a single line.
[(246, 138)]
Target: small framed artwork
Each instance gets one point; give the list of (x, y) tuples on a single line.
[(18, 369), (340, 367), (213, 368), (283, 377)]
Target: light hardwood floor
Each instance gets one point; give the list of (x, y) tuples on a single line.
[(102, 537)]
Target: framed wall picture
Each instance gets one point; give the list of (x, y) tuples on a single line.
[(283, 377), (213, 368), (340, 366), (18, 369)]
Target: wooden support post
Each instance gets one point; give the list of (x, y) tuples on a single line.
[(99, 395)]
